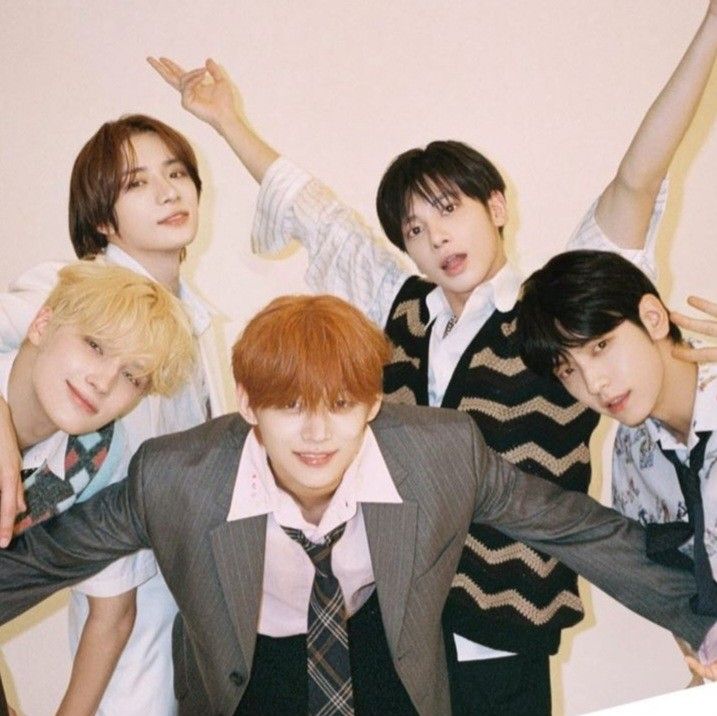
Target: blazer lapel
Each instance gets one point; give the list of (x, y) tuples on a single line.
[(391, 532), (238, 549)]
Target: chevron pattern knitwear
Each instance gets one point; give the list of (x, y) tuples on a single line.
[(505, 595)]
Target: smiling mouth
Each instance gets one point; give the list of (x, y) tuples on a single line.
[(315, 459), (453, 264), (617, 404), (176, 219), (79, 399)]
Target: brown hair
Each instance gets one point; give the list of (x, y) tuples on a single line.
[(314, 349), (97, 176)]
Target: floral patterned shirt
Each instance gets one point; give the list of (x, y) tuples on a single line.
[(644, 483)]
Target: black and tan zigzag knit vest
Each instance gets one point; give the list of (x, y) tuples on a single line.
[(505, 594)]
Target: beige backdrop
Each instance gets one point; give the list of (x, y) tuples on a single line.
[(552, 90)]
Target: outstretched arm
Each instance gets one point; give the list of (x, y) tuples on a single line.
[(624, 209), (209, 94)]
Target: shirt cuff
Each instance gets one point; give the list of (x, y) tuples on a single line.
[(121, 576), (277, 193)]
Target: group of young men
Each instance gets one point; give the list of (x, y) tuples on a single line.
[(333, 547)]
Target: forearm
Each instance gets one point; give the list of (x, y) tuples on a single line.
[(253, 152), (624, 208), (104, 636)]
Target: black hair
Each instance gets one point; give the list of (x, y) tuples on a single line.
[(576, 297), (441, 167)]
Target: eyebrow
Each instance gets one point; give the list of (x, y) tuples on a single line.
[(434, 202), (165, 163)]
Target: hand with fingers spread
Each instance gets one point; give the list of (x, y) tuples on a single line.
[(11, 492), (209, 94), (705, 326)]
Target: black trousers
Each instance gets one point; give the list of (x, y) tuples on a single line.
[(508, 686)]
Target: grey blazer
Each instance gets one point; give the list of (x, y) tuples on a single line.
[(176, 500)]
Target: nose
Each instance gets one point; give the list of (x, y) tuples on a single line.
[(167, 192), (316, 426), (104, 374), (438, 234), (595, 379)]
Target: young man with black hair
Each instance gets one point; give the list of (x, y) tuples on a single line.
[(445, 207), (597, 324)]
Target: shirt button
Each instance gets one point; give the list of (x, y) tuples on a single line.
[(236, 678)]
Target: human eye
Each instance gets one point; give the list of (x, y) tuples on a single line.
[(600, 345), (134, 181), (178, 172), (411, 231), (342, 405), (563, 371), (94, 345), (133, 379)]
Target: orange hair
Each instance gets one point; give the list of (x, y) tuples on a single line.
[(311, 349)]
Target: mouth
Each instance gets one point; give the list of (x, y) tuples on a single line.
[(315, 459), (617, 404), (454, 264), (80, 400), (177, 218)]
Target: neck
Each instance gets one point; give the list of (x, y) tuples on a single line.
[(162, 266), (676, 402), (32, 424)]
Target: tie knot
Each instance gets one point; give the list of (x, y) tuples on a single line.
[(320, 554)]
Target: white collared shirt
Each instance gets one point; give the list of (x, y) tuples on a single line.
[(288, 571), (644, 484), (444, 351)]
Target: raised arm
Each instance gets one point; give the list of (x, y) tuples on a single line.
[(625, 206), (345, 257), (209, 94)]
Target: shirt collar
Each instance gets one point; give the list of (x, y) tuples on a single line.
[(704, 415), (499, 292), (198, 313), (255, 491)]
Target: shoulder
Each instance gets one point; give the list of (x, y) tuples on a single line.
[(225, 434)]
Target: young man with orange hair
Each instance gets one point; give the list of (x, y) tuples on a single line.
[(311, 540)]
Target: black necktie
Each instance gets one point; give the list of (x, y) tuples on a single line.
[(664, 539), (327, 644)]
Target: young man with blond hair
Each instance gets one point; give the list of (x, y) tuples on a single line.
[(105, 338)]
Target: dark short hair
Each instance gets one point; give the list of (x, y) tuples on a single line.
[(576, 297), (441, 167), (97, 176)]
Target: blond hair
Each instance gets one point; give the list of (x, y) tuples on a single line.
[(132, 316)]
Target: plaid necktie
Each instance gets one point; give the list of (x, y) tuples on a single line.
[(327, 644), (664, 539), (46, 494)]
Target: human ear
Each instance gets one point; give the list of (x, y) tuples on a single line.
[(654, 317), (105, 229), (245, 409), (39, 325), (498, 208), (373, 410)]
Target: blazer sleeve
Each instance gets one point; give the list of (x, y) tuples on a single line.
[(602, 545), (74, 545)]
